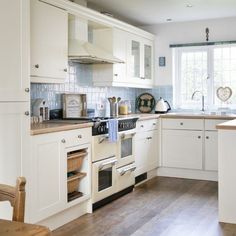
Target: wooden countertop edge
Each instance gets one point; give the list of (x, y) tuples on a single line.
[(210, 117), (229, 125), (59, 128)]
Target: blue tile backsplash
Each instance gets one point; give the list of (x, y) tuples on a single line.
[(80, 81)]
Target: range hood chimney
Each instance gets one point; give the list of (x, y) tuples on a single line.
[(82, 51)]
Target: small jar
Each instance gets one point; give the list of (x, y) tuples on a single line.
[(123, 108)]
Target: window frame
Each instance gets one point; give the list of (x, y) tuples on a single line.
[(176, 57)]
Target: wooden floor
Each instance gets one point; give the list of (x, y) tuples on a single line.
[(161, 207)]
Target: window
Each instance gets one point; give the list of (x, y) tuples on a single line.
[(204, 69)]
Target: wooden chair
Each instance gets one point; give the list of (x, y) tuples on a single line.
[(16, 196)]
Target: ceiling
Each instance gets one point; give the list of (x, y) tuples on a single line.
[(148, 12)]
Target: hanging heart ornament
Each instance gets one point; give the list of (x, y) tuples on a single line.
[(224, 93)]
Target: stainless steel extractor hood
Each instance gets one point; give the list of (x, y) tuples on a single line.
[(82, 51)]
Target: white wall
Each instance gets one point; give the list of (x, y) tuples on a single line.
[(186, 32)]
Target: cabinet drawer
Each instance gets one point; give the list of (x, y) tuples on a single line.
[(77, 137), (147, 125), (211, 124), (192, 124)]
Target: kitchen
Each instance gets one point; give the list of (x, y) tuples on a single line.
[(101, 116)]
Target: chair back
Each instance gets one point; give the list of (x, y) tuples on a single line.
[(16, 197)]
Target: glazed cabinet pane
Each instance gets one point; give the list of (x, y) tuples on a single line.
[(148, 62), (135, 59)]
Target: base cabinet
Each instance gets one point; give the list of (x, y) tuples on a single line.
[(55, 163), (49, 176), (182, 149), (211, 151), (146, 149)]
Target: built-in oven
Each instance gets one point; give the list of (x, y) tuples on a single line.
[(104, 178), (126, 148)]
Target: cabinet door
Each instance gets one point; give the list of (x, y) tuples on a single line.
[(14, 146), (49, 40), (146, 151), (152, 157), (211, 150), (48, 176), (14, 50), (148, 62), (182, 149)]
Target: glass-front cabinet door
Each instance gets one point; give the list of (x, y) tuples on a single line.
[(148, 62), (135, 59)]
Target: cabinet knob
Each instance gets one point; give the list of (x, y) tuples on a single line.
[(36, 66), (154, 123), (142, 77), (207, 137), (27, 113), (63, 140), (79, 136), (141, 126), (181, 123), (116, 75), (199, 137), (65, 70)]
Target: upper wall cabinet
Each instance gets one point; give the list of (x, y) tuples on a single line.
[(140, 60), (49, 43), (135, 51), (114, 41), (14, 50)]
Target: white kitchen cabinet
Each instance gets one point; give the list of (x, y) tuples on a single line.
[(14, 149), (140, 60), (14, 48), (48, 183), (113, 41), (146, 148), (182, 149), (48, 172), (49, 43), (211, 150)]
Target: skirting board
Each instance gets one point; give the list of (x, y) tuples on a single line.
[(65, 216), (188, 174)]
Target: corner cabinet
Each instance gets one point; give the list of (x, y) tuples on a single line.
[(49, 43), (140, 61)]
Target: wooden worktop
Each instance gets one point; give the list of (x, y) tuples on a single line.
[(50, 127), (198, 116), (229, 125)]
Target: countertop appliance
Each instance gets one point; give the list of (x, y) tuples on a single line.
[(162, 106)]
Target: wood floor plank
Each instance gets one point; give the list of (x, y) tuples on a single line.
[(161, 207)]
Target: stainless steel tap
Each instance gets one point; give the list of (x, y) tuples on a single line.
[(203, 98)]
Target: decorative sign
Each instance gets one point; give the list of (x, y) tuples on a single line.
[(224, 93), (162, 61)]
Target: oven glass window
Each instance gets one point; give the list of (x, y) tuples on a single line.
[(104, 179), (126, 147)]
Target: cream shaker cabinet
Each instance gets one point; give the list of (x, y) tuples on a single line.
[(49, 43), (14, 48), (146, 146), (48, 181), (14, 146), (182, 149), (48, 172), (140, 60)]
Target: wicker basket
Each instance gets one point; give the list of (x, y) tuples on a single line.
[(73, 182), (75, 160)]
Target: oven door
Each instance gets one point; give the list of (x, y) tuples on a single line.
[(103, 148), (126, 148), (125, 177), (104, 178)]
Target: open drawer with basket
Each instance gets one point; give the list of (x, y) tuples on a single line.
[(77, 172)]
